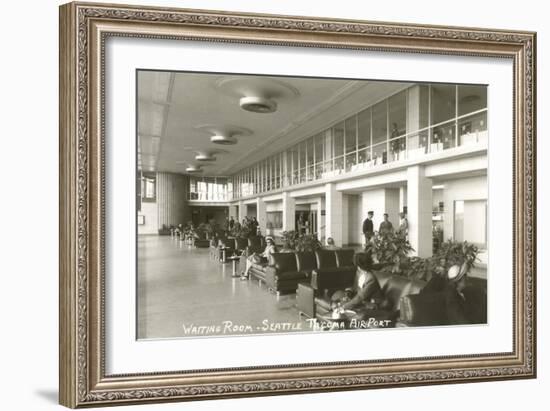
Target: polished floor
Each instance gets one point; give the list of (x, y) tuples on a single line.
[(184, 293)]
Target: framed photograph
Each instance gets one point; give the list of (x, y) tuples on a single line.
[(261, 204)]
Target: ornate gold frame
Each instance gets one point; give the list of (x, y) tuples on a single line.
[(83, 30)]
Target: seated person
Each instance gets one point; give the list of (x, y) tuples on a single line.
[(330, 244), (260, 258), (369, 294)]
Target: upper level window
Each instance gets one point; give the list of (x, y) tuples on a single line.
[(397, 106), (443, 103), (380, 122), (149, 187), (471, 98)]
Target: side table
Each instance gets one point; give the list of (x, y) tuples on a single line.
[(235, 260)]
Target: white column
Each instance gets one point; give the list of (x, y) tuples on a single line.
[(402, 198), (333, 213), (419, 211), (261, 215), (289, 212), (319, 217), (413, 109), (345, 219), (233, 211), (242, 211)]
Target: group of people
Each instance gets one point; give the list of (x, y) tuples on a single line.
[(386, 226)]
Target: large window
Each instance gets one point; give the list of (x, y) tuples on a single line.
[(397, 106), (443, 103), (363, 125), (380, 122), (212, 188), (149, 187)]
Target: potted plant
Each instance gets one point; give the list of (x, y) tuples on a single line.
[(390, 251), (449, 253), (289, 240), (307, 242)]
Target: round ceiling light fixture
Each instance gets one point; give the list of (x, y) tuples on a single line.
[(223, 139), (258, 94), (258, 104), (205, 156), (224, 134), (193, 169)]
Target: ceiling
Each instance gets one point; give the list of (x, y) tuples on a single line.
[(177, 112)]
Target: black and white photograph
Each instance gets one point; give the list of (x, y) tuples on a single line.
[(280, 204)]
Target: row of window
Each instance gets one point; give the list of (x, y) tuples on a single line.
[(416, 121)]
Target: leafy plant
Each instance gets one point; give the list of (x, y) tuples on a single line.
[(307, 242), (293, 241), (449, 253), (289, 239), (457, 253), (392, 253), (391, 250)]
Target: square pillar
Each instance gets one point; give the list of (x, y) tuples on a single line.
[(334, 214), (234, 211), (402, 198), (413, 109), (345, 219), (419, 211), (261, 215), (242, 211), (289, 212), (319, 217)]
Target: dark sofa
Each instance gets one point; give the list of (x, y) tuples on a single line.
[(429, 308), (286, 270), (314, 299), (404, 302)]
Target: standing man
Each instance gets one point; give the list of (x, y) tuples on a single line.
[(255, 225), (231, 223), (386, 227), (368, 227), (403, 225)]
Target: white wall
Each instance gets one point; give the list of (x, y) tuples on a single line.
[(381, 200), (150, 213), (355, 230), (437, 196), (474, 188), (30, 342), (274, 206)]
